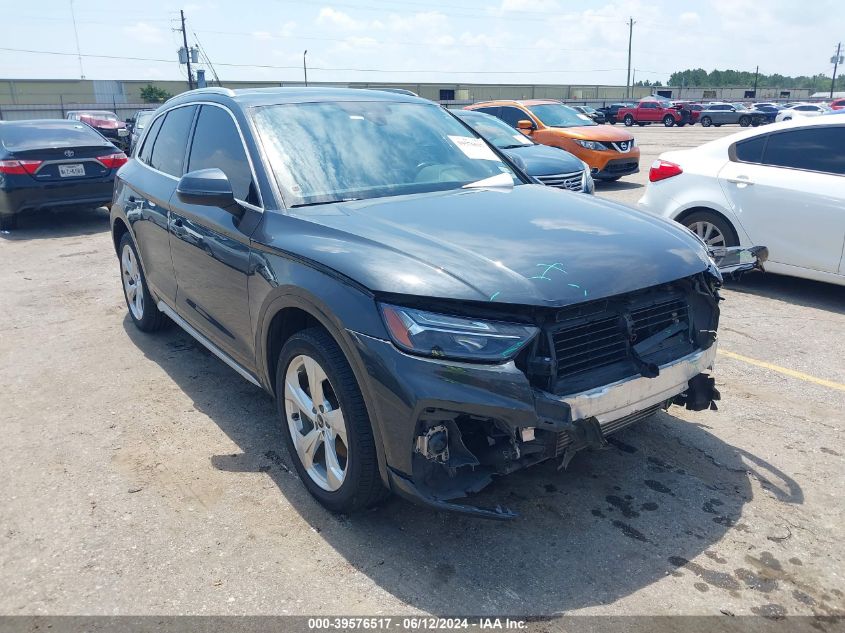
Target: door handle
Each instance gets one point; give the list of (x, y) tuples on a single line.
[(740, 180), (133, 199), (177, 223)]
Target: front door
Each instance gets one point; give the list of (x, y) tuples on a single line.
[(210, 246)]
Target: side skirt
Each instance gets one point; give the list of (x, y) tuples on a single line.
[(182, 323)]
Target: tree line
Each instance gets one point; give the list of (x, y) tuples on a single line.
[(698, 77)]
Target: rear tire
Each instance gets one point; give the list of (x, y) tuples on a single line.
[(706, 121), (8, 222), (355, 482), (142, 308), (629, 120), (712, 228), (668, 120)]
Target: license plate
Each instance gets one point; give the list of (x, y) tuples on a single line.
[(68, 171), (122, 132)]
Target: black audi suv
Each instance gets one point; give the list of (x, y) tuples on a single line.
[(426, 318), (51, 163)]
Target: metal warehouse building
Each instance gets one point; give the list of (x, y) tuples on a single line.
[(31, 98)]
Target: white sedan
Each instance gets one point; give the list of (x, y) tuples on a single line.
[(780, 186), (801, 110)]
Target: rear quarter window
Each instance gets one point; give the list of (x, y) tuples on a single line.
[(751, 150)]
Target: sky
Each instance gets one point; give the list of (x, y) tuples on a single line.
[(477, 41)]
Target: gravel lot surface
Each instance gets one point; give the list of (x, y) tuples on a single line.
[(142, 476)]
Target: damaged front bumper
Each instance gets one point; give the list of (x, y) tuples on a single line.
[(447, 428), (733, 261)]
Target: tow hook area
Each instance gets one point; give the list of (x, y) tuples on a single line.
[(585, 434), (701, 394), (457, 454)]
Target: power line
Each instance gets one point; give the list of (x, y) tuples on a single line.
[(371, 70)]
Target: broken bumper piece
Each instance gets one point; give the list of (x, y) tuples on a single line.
[(447, 429), (736, 260)]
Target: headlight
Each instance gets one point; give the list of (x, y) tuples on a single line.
[(591, 145), (587, 183), (458, 338)]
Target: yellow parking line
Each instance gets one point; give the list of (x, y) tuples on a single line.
[(783, 370)]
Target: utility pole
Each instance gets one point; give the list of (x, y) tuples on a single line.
[(630, 36), (756, 72), (187, 52), (305, 67), (76, 36), (836, 61)]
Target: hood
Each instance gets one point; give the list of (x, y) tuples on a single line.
[(542, 160), (104, 124), (529, 245), (593, 133)]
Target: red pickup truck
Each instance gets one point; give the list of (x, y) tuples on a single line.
[(650, 111)]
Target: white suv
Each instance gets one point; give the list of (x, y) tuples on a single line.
[(782, 186)]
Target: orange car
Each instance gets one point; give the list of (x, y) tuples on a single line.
[(610, 152)]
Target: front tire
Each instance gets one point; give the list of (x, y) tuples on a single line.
[(327, 431), (668, 120), (142, 308), (744, 121), (629, 120), (706, 121)]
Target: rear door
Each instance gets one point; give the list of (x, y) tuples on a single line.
[(210, 249), (788, 191), (147, 200)]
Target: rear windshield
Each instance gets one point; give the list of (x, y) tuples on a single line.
[(46, 134)]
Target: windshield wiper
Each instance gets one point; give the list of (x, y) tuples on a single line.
[(499, 181), (314, 204)]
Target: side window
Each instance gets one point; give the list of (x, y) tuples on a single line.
[(169, 149), (492, 111), (816, 149), (512, 116), (218, 144), (648, 104), (751, 151), (147, 148)]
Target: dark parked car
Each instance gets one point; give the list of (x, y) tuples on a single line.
[(612, 110), (549, 165), (426, 318), (106, 123), (136, 126), (591, 112), (53, 163)]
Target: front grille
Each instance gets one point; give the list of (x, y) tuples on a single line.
[(564, 440), (570, 182), (623, 146), (601, 341), (620, 165)]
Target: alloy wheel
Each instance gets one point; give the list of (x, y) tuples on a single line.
[(132, 284), (709, 232), (316, 423)]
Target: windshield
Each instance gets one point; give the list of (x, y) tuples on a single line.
[(350, 150), (495, 131), (559, 115), (142, 118)]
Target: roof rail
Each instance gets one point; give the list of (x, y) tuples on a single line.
[(217, 90)]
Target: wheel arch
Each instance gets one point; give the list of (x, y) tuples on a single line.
[(118, 230), (290, 312)]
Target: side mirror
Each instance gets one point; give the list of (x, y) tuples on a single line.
[(207, 187), (525, 125)]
